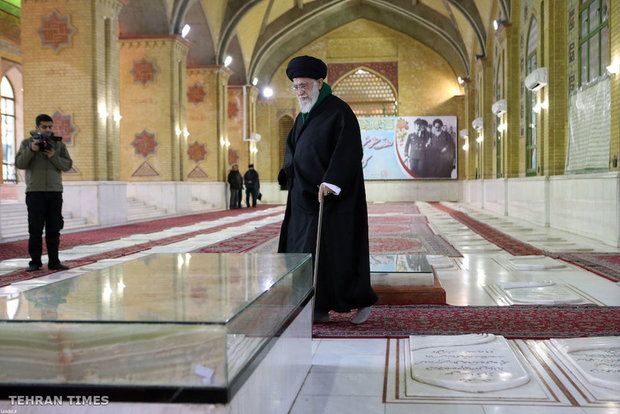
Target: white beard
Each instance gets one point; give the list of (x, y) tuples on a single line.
[(307, 102)]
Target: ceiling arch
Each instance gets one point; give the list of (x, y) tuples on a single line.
[(143, 17), (282, 37)]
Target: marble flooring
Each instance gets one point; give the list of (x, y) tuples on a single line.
[(357, 375)]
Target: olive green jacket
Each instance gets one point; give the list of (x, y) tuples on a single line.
[(42, 173)]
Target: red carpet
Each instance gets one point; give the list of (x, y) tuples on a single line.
[(603, 264), (407, 234), (23, 275), (510, 321), (245, 242), (510, 244), (68, 240)]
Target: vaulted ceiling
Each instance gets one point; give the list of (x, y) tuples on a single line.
[(261, 34)]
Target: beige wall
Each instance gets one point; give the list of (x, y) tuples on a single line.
[(426, 83)]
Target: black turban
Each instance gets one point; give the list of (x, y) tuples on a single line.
[(306, 67)]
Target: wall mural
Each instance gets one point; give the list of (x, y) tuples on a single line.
[(411, 147)]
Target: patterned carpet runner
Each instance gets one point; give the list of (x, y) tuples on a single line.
[(511, 321), (510, 244), (606, 265), (21, 275), (19, 248)]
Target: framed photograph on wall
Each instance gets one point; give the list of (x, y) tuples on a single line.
[(409, 147)]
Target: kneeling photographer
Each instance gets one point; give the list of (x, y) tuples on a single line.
[(44, 157)]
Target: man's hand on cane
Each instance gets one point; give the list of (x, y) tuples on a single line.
[(323, 191)]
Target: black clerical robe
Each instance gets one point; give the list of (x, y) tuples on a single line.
[(327, 148)]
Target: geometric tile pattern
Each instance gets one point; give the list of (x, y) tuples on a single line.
[(196, 94), (233, 157), (63, 127), (197, 152), (197, 173), (144, 143), (143, 71), (145, 170), (55, 31)]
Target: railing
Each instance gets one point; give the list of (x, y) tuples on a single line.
[(9, 173)]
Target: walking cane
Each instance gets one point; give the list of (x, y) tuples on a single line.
[(316, 257)]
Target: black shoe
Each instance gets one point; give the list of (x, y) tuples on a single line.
[(58, 266), (33, 268), (321, 317)]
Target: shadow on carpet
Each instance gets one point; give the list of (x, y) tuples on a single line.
[(524, 322)]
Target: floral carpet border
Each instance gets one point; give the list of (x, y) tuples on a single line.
[(526, 322)]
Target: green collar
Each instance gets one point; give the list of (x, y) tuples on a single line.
[(325, 91)]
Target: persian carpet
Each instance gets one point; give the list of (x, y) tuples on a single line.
[(529, 322), (506, 242), (405, 234), (603, 264), (19, 248), (21, 275), (245, 242), (398, 208)]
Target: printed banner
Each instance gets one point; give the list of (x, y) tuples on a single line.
[(409, 147)]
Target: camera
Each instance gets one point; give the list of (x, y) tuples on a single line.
[(44, 140)]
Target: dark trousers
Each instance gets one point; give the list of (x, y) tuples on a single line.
[(254, 193), (235, 198), (44, 210)]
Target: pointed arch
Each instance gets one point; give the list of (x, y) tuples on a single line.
[(368, 92)]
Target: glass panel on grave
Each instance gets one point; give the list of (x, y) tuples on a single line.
[(192, 326), (399, 263)]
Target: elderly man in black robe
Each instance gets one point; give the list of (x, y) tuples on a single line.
[(323, 163)]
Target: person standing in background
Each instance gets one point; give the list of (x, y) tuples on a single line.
[(44, 157), (236, 185), (252, 185)]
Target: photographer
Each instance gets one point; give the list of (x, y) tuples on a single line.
[(44, 156)]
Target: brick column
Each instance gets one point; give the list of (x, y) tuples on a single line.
[(70, 71), (202, 109), (513, 88), (488, 158), (554, 119), (222, 76), (153, 99)]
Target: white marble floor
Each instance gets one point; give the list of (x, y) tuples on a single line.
[(350, 375)]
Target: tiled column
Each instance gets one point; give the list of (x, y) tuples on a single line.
[(70, 71), (153, 101)]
